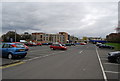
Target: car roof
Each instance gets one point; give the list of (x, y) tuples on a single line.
[(8, 43)]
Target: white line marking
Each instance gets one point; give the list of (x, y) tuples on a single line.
[(104, 75), (42, 56), (25, 60), (111, 64), (39, 50), (112, 72), (81, 51)]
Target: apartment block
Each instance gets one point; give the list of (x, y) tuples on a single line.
[(47, 38)]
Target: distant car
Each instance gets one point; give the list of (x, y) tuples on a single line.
[(31, 44), (98, 44), (58, 46), (50, 43), (39, 44), (114, 56), (67, 44), (13, 50), (83, 43), (73, 44), (45, 44), (77, 43), (27, 48), (105, 46)]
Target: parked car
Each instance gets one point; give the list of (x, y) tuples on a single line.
[(106, 46), (44, 43), (67, 44), (58, 46), (77, 43), (98, 44), (50, 43), (31, 44), (114, 56), (82, 43), (27, 48), (73, 44), (39, 44), (13, 50)]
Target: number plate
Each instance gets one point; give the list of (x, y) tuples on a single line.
[(22, 50)]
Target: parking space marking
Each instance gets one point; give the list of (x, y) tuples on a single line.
[(104, 75), (111, 64), (42, 56), (39, 50), (11, 65), (81, 51), (112, 72)]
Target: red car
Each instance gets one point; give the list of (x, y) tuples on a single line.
[(82, 43), (58, 46), (39, 44), (27, 48)]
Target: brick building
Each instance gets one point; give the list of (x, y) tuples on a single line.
[(47, 38), (113, 37)]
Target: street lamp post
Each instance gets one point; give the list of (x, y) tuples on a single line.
[(15, 35)]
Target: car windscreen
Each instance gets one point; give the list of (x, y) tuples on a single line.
[(19, 45)]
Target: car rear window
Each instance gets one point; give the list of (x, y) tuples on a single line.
[(19, 46)]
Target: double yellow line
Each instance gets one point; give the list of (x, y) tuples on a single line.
[(11, 65)]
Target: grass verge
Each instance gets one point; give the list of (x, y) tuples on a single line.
[(116, 45)]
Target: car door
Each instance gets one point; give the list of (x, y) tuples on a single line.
[(5, 49), (56, 46), (59, 46), (0, 49)]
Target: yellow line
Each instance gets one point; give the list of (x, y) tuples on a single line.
[(3, 67)]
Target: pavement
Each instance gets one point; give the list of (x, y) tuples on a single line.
[(78, 62)]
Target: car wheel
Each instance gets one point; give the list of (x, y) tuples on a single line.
[(118, 60), (52, 48), (10, 56)]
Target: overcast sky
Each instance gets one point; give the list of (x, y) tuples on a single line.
[(77, 18)]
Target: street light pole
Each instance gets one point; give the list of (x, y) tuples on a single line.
[(15, 35)]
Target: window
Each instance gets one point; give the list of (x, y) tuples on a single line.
[(19, 45), (6, 46), (56, 45)]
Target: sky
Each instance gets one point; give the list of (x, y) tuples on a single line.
[(91, 19)]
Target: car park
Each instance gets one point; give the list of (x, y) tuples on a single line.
[(105, 46), (114, 56), (13, 50), (58, 46)]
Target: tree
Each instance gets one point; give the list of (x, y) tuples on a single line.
[(26, 37), (10, 37)]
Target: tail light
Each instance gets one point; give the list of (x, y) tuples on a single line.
[(13, 45)]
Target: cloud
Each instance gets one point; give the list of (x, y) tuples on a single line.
[(76, 18)]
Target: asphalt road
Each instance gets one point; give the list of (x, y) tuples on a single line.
[(78, 62)]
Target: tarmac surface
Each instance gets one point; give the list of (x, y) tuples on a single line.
[(78, 62)]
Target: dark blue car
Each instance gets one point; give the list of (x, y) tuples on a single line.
[(114, 56), (12, 50), (105, 46)]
